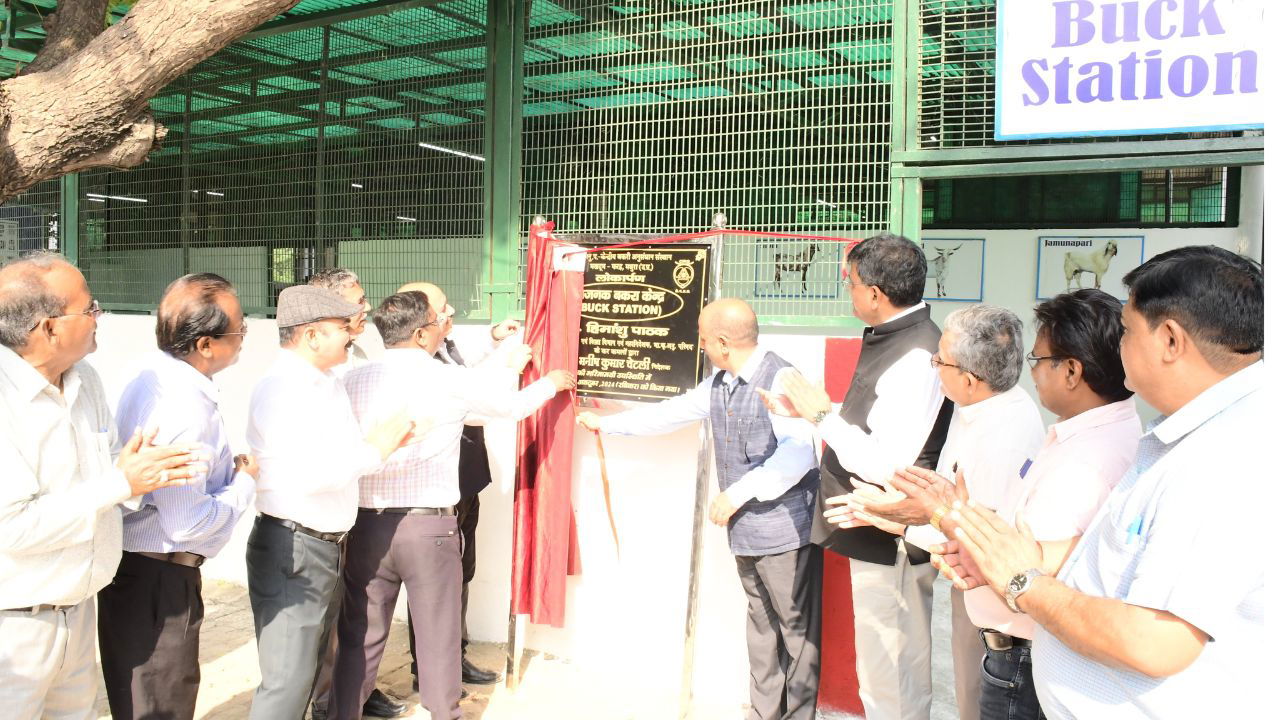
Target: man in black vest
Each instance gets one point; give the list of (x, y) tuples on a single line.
[(765, 468), (894, 415), (473, 475)]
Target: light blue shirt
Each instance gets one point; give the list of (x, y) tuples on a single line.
[(1163, 541), (174, 397)]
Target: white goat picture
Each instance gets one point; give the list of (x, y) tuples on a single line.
[(954, 268), (1077, 263), (1070, 262)]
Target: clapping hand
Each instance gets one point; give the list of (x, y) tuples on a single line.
[(807, 400), (997, 551), (849, 511), (149, 467), (956, 565)]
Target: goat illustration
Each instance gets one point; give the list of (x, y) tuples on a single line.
[(937, 268), (1079, 262), (798, 261)]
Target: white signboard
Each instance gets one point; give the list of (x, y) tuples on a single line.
[(1069, 68), (8, 240)]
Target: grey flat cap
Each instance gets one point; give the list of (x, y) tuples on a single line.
[(302, 304)]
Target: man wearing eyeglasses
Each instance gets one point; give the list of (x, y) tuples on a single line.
[(994, 435), (60, 527), (894, 415), (406, 531), (312, 453), (150, 615)]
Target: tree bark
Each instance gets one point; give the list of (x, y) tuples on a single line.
[(89, 109), (67, 31)]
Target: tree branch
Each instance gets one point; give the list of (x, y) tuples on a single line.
[(90, 109), (67, 31)]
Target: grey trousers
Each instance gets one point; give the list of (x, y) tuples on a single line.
[(784, 631), (293, 591), (967, 652), (424, 553)]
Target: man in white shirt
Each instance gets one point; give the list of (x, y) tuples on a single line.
[(995, 433), (893, 415), (1075, 364), (765, 465), (1158, 610), (59, 521), (312, 453), (406, 530), (149, 617)]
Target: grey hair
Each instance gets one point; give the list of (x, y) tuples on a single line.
[(289, 335), (987, 341), (28, 299), (335, 279)]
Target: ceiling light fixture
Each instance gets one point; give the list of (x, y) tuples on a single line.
[(115, 197), (357, 186), (406, 219), (451, 151)]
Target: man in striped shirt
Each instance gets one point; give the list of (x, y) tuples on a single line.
[(150, 615)]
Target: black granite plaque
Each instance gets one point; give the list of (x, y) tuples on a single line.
[(639, 331)]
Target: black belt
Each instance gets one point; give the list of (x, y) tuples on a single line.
[(412, 511), (185, 559), (32, 610), (1000, 642), (333, 537)]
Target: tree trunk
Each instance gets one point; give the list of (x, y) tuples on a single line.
[(90, 108)]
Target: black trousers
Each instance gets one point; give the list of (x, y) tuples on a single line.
[(149, 636), (468, 519)]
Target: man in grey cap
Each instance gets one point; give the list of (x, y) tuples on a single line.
[(311, 454)]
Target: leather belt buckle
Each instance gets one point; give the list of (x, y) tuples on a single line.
[(297, 527), (178, 557), (997, 641)]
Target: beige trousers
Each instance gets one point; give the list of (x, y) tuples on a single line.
[(47, 668), (967, 652), (892, 606)]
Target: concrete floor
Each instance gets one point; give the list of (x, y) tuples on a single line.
[(551, 688)]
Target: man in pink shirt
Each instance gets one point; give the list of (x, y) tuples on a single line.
[(1075, 364)]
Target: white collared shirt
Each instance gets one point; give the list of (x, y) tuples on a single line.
[(1165, 539), (171, 396), (310, 449), (59, 521), (1082, 459), (425, 472), (791, 459), (908, 396), (993, 442)]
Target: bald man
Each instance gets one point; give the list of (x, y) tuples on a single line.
[(768, 478), (149, 617), (473, 471)]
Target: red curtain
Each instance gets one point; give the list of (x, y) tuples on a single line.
[(544, 538)]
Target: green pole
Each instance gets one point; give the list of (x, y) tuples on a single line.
[(69, 210), (504, 78)]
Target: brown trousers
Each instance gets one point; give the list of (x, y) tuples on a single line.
[(424, 553)]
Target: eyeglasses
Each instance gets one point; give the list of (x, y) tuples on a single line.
[(433, 322), (936, 362), (244, 330), (1033, 360), (94, 311)]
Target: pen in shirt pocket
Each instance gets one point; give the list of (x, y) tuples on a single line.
[(1135, 530)]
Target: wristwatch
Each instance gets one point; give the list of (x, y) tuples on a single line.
[(818, 416), (1019, 584)]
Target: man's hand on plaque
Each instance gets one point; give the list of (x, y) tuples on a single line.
[(589, 421), (722, 509), (562, 379)]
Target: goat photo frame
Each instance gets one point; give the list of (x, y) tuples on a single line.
[(957, 269), (1071, 262), (807, 269)]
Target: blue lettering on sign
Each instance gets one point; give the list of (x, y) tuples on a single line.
[(1078, 23)]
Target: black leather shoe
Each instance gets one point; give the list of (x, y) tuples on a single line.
[(472, 675), (381, 706)]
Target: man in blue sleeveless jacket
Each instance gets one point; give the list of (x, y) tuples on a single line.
[(766, 467)]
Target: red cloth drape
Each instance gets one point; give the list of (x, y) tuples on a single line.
[(544, 537)]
